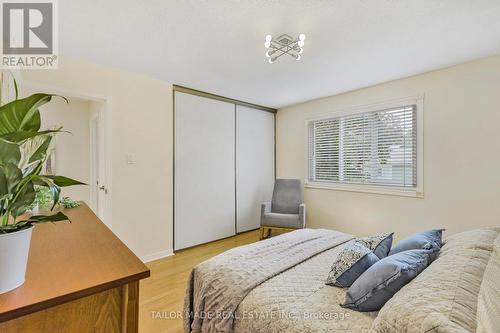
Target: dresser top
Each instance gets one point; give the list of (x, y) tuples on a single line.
[(68, 261)]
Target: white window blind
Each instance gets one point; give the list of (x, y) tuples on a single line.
[(371, 148)]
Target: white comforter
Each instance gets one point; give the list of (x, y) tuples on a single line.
[(218, 286), (298, 300)]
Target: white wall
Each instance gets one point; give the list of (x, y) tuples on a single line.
[(461, 155), (462, 163), (141, 117), (73, 148)]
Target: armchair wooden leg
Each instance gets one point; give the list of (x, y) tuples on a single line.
[(265, 232)]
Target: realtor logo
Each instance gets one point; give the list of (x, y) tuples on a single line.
[(29, 34)]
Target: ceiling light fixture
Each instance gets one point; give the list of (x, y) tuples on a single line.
[(284, 44)]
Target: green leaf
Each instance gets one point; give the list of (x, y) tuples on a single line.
[(16, 88), (9, 152), (64, 181), (22, 114), (47, 218), (4, 185), (32, 168), (10, 177), (67, 202), (41, 152), (23, 199), (55, 190), (44, 181), (20, 136)]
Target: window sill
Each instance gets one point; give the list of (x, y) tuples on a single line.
[(366, 189)]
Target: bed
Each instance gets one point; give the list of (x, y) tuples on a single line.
[(282, 289)]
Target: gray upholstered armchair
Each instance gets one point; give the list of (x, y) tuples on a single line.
[(287, 210)]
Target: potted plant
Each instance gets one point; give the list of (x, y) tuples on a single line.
[(21, 163)]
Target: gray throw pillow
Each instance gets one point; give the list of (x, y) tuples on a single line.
[(430, 239), (350, 263), (380, 244), (382, 280)]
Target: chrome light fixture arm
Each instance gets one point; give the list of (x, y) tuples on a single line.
[(284, 44)]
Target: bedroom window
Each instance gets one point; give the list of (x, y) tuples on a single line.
[(368, 151)]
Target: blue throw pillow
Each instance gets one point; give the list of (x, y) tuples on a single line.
[(430, 239), (382, 280), (350, 263), (380, 244)]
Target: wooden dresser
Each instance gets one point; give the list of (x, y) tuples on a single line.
[(80, 278)]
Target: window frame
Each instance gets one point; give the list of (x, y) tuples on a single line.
[(417, 192)]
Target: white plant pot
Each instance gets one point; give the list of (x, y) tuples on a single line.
[(14, 249)]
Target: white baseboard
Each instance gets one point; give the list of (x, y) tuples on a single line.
[(157, 255)]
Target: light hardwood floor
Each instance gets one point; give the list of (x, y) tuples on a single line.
[(163, 293)]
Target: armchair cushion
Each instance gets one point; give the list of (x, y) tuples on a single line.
[(287, 196), (282, 220)]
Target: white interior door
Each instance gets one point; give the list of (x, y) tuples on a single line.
[(254, 164), (204, 182)]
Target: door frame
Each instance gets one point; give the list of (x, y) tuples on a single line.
[(107, 128), (94, 120)]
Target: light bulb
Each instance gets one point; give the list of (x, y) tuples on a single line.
[(267, 44), (301, 50), (267, 54), (298, 57), (302, 37), (300, 43), (268, 38)]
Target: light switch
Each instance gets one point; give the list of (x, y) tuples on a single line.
[(130, 159)]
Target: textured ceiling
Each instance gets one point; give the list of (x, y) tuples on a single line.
[(217, 46)]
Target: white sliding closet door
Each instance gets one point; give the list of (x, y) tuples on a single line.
[(204, 190), (254, 164)]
